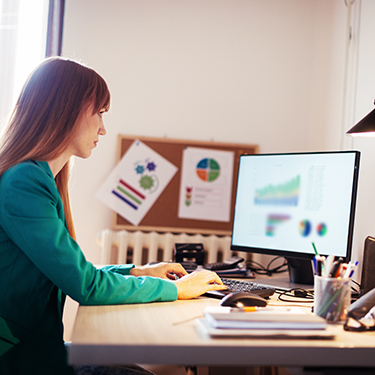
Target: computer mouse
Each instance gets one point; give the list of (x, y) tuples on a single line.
[(243, 299)]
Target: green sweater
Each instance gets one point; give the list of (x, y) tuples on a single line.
[(39, 264)]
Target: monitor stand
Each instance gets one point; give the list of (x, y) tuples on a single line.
[(300, 271)]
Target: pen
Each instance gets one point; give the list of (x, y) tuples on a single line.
[(350, 270), (244, 309), (265, 309), (315, 263), (316, 251), (344, 267), (353, 269)]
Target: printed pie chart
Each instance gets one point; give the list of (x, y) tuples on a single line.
[(208, 170)]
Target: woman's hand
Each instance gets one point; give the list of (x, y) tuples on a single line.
[(198, 283), (170, 271)]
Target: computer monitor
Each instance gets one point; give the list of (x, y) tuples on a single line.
[(286, 202)]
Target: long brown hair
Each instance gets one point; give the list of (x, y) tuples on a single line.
[(43, 122)]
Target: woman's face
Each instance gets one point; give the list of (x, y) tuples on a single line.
[(90, 126)]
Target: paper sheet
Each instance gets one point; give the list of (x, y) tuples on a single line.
[(136, 182), (206, 184)]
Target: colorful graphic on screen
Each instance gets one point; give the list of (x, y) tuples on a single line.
[(284, 194), (273, 221), (304, 228), (321, 229), (208, 170)]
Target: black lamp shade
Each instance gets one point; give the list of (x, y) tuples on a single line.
[(366, 125)]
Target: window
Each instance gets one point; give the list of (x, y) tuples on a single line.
[(23, 30)]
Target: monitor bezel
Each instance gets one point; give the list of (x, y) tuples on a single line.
[(296, 254)]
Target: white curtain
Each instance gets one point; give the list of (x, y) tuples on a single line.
[(8, 38)]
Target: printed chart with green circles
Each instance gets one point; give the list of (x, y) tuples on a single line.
[(208, 170)]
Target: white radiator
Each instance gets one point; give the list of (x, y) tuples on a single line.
[(142, 247)]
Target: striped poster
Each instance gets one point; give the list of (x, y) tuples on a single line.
[(136, 182), (128, 194)]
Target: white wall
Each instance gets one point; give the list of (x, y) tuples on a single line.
[(364, 103), (269, 72)]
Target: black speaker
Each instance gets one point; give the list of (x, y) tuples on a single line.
[(368, 267)]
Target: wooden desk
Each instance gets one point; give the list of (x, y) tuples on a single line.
[(166, 333)]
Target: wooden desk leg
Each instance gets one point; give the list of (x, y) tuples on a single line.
[(192, 370)]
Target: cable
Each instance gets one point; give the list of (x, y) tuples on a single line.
[(305, 296), (259, 269), (358, 285)]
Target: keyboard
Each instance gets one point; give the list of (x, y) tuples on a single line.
[(241, 286)]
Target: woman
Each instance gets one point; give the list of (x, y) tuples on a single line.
[(59, 115)]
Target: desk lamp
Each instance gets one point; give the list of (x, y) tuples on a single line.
[(365, 127)]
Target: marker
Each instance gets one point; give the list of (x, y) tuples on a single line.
[(318, 265), (328, 265), (335, 268)]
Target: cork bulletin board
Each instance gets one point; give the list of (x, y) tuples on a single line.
[(163, 215)]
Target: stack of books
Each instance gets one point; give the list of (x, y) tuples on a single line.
[(263, 322)]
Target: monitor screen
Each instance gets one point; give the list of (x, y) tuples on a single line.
[(286, 202)]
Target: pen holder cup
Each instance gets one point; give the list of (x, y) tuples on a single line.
[(331, 298)]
